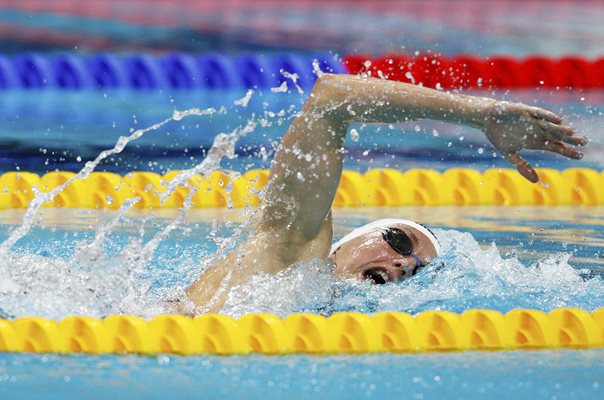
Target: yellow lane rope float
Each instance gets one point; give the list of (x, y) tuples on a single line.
[(376, 187), (348, 333)]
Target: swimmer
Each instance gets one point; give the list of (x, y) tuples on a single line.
[(296, 221)]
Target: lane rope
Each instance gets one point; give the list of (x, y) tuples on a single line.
[(348, 332), (376, 187), (468, 71)]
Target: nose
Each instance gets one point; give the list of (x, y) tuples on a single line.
[(403, 265)]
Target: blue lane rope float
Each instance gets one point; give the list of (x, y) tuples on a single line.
[(348, 333), (149, 72)]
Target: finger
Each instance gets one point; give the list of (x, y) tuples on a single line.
[(575, 140), (560, 130), (540, 113), (522, 166), (561, 133), (563, 149)]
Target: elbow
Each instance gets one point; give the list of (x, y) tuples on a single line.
[(328, 85), (331, 92)]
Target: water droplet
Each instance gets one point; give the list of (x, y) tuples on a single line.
[(244, 101), (163, 360), (409, 76), (281, 89)]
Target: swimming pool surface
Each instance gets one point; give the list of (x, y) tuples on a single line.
[(562, 374), (45, 130)]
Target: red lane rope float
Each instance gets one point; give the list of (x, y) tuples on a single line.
[(467, 71)]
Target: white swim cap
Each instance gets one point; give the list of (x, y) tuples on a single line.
[(386, 223)]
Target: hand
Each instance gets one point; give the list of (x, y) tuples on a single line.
[(511, 127)]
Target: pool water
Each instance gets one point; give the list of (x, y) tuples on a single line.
[(560, 374), (89, 262), (497, 257), (44, 130)]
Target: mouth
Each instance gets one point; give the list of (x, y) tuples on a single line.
[(377, 275)]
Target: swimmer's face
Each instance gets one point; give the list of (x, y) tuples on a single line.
[(370, 257)]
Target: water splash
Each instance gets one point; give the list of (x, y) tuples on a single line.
[(281, 88), (294, 78), (471, 277), (316, 68), (25, 275), (223, 146), (106, 276), (245, 100), (89, 253), (42, 197), (138, 274)]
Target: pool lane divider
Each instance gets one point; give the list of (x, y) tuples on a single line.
[(348, 333), (215, 71), (468, 71), (376, 187), (175, 71)]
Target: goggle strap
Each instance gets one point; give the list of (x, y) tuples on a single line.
[(418, 263)]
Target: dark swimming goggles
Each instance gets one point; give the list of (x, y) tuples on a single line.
[(400, 242)]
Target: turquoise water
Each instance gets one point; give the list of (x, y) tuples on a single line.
[(558, 374), (496, 257)]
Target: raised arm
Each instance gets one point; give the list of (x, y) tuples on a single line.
[(306, 169)]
